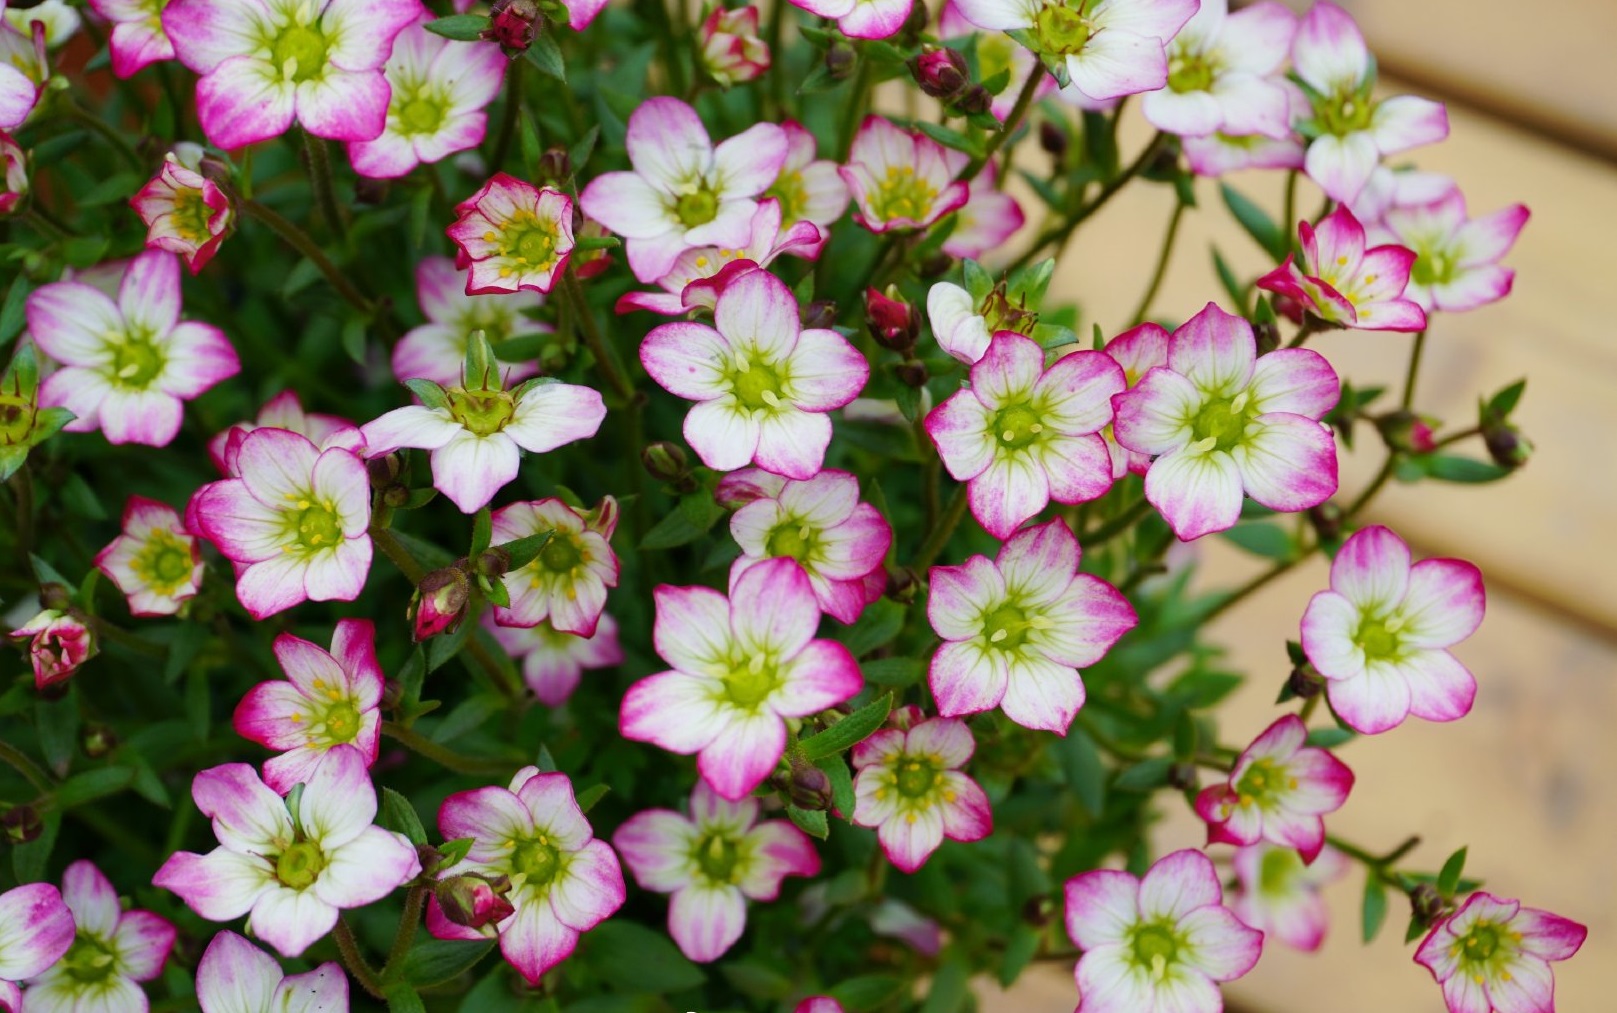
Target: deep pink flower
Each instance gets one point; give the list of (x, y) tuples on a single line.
[(184, 212), (566, 583), (1277, 791), (36, 930), (237, 977), (861, 19), (808, 189), (712, 862), (553, 661), (987, 219), (1345, 283), (13, 174), (58, 643), (731, 51), (1279, 895), (741, 667), (513, 236), (911, 789), (902, 179), (138, 39), (1223, 73), (284, 411), (436, 350), (1494, 956), (818, 1004), (155, 562), (113, 951), (1456, 258)]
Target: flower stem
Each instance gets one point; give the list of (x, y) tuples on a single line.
[(1118, 524), (19, 761), (508, 118), (408, 923), (318, 162), (304, 244), (459, 763), (395, 551), (584, 319), (1378, 866), (1163, 257), (355, 961), (856, 105), (1024, 100), (97, 125), (940, 534), (1059, 233), (1412, 374)]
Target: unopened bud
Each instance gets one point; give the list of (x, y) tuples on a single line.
[(214, 168), (97, 740), (905, 716), (1183, 776), (1268, 336), (55, 596), (555, 166), (809, 787), (821, 313), (473, 901), (1426, 904), (1038, 911), (1326, 519), (20, 825), (1164, 162), (934, 265), (492, 562), (973, 100), (902, 584), (1053, 139), (912, 373), (892, 321), (665, 462), (512, 24), (392, 694), (396, 495), (839, 61), (1305, 681), (385, 470), (941, 72), (1404, 430), (370, 191), (1506, 445), (440, 602)]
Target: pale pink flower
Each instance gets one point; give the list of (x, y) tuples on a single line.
[(1017, 628), (328, 699), (14, 162), (741, 667), (137, 39), (902, 179), (1381, 634), (1277, 791), (1494, 955), (237, 977), (296, 523), (1456, 258), (1223, 73), (808, 189), (1138, 350), (129, 364), (839, 542), (566, 582), (513, 236), (1279, 895), (155, 561), (684, 192), (1022, 435), (861, 19), (911, 789), (987, 219), (436, 350), (563, 880), (58, 643), (1392, 189), (290, 871), (1164, 941), (712, 862), (284, 411), (1343, 282), (184, 212), (1219, 153), (113, 951), (36, 930), (24, 70), (1220, 423), (730, 49), (965, 321), (763, 384), (265, 63), (553, 661)]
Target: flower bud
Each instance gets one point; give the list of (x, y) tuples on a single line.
[(13, 174), (55, 596), (370, 191), (912, 373), (1053, 139), (1037, 911), (20, 825), (808, 787), (555, 166), (385, 470), (731, 51), (1404, 430), (440, 602), (473, 901), (933, 265), (902, 584), (892, 321), (1326, 519), (492, 562), (512, 24), (1506, 445), (396, 496), (59, 642), (941, 72), (392, 694), (214, 168), (839, 61), (974, 100), (665, 462), (1305, 681), (1184, 776), (821, 313), (1267, 335), (905, 716), (1426, 904), (97, 740)]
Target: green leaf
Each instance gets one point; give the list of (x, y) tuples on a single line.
[(1450, 468), (482, 533), (691, 520), (57, 723), (1256, 222), (950, 138), (469, 715), (1417, 928), (1449, 878), (1027, 285), (854, 728), (1020, 950), (756, 979), (868, 991), (635, 958), (1500, 405), (1330, 738), (591, 795), (1374, 911), (432, 961), (399, 815), (1146, 775), (430, 394), (836, 768), (29, 861), (460, 27), (1199, 689), (811, 821), (949, 990), (11, 311), (1086, 774), (881, 622), (579, 154), (894, 671), (455, 851), (546, 55), (1226, 277), (445, 646), (402, 998), (91, 785), (1270, 541)]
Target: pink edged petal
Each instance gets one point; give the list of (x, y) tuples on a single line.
[(691, 630), (1042, 694), (1405, 122), (967, 678), (1196, 493), (1373, 702), (1223, 948), (687, 359), (1009, 369), (143, 941), (1115, 63), (492, 815), (1012, 489), (1474, 287), (591, 889), (1403, 315), (1078, 468), (908, 838), (199, 356), (875, 19), (1280, 741), (338, 575), (68, 321), (1102, 906), (1440, 688), (1179, 884), (470, 469), (548, 796), (205, 34), (91, 898), (968, 817), (236, 976), (309, 667), (345, 106), (1486, 239), (322, 990), (997, 16), (1329, 51), (793, 443), (746, 164), (113, 994), (958, 594), (672, 710), (149, 295), (247, 816), (36, 929), (1075, 393), (269, 715), (656, 844), (1297, 381), (627, 205), (724, 436), (411, 426), (1090, 617), (1548, 936), (1323, 782), (555, 414), (743, 754), (389, 156), (241, 103), (706, 922), (1444, 603), (1342, 165), (1528, 988), (295, 766), (1109, 983), (779, 850), (276, 465), (759, 311), (1287, 463), (534, 940), (959, 428), (1327, 635), (367, 868), (667, 143), (1154, 416), (271, 586), (339, 801), (353, 644), (826, 371), (822, 675), (146, 417), (1372, 569), (1214, 350), (220, 886)]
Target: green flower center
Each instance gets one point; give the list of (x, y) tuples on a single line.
[(191, 214), (1061, 29), (1487, 951), (528, 241), (758, 386), (792, 539), (1017, 427), (1344, 114), (697, 208), (1222, 422), (537, 860), (484, 412), (1006, 627), (561, 554), (318, 526), (717, 857), (89, 960), (1482, 941), (1262, 782), (1380, 638), (136, 362), (1190, 72), (300, 53), (902, 194), (749, 684), (164, 562), (16, 419), (342, 721), (1156, 947), (299, 865), (1433, 267), (1276, 870), (789, 190), (422, 115), (915, 777)]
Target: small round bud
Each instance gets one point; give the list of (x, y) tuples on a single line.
[(473, 901), (1426, 904), (214, 168), (512, 24), (1184, 776), (839, 60), (892, 321), (902, 584), (1038, 911), (392, 694), (97, 740), (396, 496), (555, 166), (1053, 139), (1405, 431), (1327, 521), (821, 313), (912, 373), (20, 825), (492, 562), (385, 470), (1267, 335), (1506, 445), (1305, 682), (665, 461), (440, 601), (941, 72), (975, 99), (55, 596), (370, 191), (809, 787)]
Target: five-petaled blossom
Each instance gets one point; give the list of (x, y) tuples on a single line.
[(237, 977), (552, 661), (1343, 282), (911, 789), (563, 880), (1350, 130), (290, 864), (712, 862), (283, 411), (1279, 895), (265, 63), (296, 522), (902, 179), (714, 267), (329, 698), (512, 236), (565, 584), (58, 643), (1456, 258), (741, 667), (762, 382), (861, 19), (137, 38), (1222, 422), (1381, 634), (436, 350), (185, 212), (838, 541), (113, 951), (1493, 955), (1221, 73), (438, 90), (1277, 791), (129, 364), (155, 561), (36, 929), (684, 191), (1022, 435), (809, 189), (1109, 49), (1017, 629), (1160, 942)]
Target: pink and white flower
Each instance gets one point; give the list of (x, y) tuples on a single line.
[(1456, 258), (839, 542), (1381, 634), (762, 382), (185, 212), (265, 63), (113, 951), (513, 236), (284, 411), (1279, 895), (741, 667), (1350, 131), (36, 930), (861, 19), (1392, 189), (730, 49), (436, 350), (296, 523), (808, 189), (290, 864), (137, 39), (987, 219), (237, 977), (329, 698), (712, 862), (1221, 422), (58, 643), (1017, 629), (1223, 73), (566, 582), (911, 789), (24, 69), (1164, 941), (1277, 791), (563, 880), (1493, 955), (1138, 350), (438, 90), (128, 365), (1343, 282), (965, 321), (59, 18), (683, 192), (902, 179), (1022, 435), (1108, 49), (13, 174), (553, 662), (155, 562)]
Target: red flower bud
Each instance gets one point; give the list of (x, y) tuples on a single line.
[(892, 321), (940, 72), (512, 24), (440, 602), (59, 642), (474, 901)]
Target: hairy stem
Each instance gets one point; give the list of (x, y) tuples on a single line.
[(318, 160), (355, 961), (301, 241)]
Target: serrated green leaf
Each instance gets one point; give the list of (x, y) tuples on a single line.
[(399, 815), (811, 821), (460, 27), (842, 797), (854, 728)]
